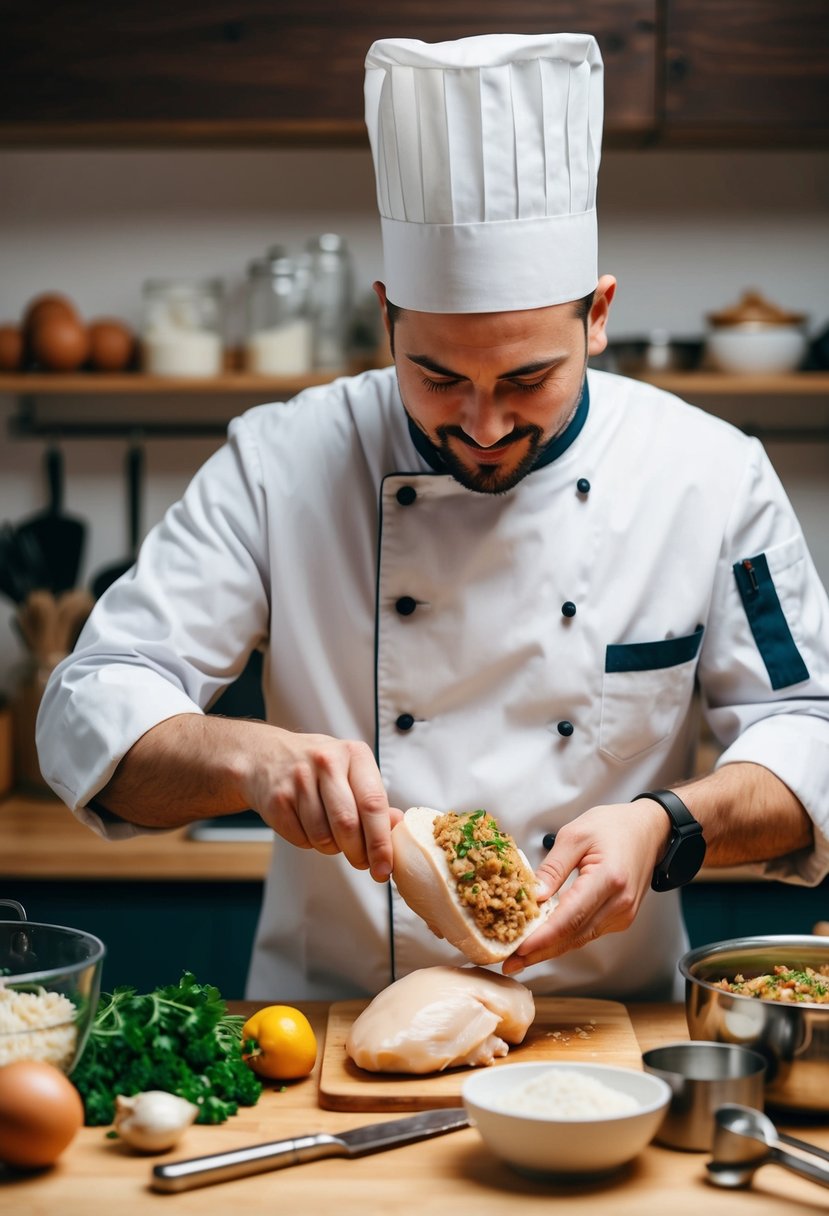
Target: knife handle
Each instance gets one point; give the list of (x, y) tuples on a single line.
[(237, 1163)]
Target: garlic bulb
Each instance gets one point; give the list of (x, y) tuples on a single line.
[(153, 1121)]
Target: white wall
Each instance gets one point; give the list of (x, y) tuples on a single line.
[(684, 232)]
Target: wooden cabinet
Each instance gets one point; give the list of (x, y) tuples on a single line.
[(679, 72), (143, 70), (746, 72)]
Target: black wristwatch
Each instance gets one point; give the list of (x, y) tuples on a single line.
[(686, 848)]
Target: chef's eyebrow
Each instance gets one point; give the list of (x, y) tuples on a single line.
[(528, 369)]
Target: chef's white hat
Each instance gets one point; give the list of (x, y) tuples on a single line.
[(486, 152)]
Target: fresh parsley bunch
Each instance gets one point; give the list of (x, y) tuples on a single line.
[(179, 1038)]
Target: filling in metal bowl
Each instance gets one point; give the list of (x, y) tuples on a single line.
[(783, 984), (769, 994), (789, 969)]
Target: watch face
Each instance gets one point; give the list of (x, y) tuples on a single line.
[(681, 863)]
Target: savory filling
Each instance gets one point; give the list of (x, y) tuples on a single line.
[(785, 984), (490, 876)]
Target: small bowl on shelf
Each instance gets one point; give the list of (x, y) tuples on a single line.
[(50, 982), (565, 1119), (755, 337)]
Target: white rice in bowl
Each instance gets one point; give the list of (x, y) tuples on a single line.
[(566, 1095), (37, 1025)]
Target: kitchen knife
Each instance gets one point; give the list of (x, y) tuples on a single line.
[(237, 1163)]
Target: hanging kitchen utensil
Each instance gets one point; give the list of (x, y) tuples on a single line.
[(13, 581), (134, 471), (22, 568), (60, 537)]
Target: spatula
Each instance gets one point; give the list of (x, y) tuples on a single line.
[(108, 575), (59, 537)]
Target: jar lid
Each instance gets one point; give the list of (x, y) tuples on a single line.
[(754, 309), (327, 242)]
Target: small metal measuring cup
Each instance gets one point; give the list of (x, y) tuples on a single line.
[(703, 1076)]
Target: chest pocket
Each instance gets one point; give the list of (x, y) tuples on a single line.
[(646, 688)]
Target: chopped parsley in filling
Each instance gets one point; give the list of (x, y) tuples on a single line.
[(784, 984), (491, 878)]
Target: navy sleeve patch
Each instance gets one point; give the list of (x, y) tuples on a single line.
[(769, 626)]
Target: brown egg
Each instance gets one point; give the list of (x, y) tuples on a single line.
[(11, 348), (111, 345), (60, 343), (41, 1112), (50, 303)]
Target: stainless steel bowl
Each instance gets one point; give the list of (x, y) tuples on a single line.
[(792, 1037), (703, 1076)]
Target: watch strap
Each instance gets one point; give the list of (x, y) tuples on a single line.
[(686, 848)]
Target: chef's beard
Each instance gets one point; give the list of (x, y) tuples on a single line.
[(492, 479), (487, 478)]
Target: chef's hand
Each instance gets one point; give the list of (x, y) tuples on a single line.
[(614, 848), (327, 794)]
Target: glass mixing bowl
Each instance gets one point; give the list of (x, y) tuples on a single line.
[(50, 982)]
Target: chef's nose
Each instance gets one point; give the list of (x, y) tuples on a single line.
[(484, 421)]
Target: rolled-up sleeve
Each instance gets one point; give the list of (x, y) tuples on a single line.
[(764, 666), (168, 637)]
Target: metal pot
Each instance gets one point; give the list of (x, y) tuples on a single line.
[(792, 1036)]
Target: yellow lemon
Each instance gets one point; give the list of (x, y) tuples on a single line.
[(278, 1043)]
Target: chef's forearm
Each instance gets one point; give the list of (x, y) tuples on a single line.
[(185, 768), (747, 814)]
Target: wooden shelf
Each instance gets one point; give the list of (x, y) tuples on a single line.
[(206, 404), (795, 384), (721, 384), (26, 384)]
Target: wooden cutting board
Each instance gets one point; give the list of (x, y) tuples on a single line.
[(565, 1028)]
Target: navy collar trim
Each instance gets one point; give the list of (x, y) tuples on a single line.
[(555, 448)]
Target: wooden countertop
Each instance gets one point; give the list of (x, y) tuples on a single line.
[(41, 838), (450, 1174)]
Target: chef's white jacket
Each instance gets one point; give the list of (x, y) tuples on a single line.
[(534, 653)]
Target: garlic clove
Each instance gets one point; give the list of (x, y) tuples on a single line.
[(153, 1121)]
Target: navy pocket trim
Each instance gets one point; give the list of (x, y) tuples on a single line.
[(768, 623), (650, 656)]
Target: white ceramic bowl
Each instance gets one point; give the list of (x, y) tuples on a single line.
[(542, 1145), (755, 350)]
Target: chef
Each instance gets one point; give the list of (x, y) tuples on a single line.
[(483, 577)]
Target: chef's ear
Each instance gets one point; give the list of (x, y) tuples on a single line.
[(380, 292), (599, 310)]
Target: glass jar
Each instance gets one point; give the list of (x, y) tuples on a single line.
[(332, 302), (278, 327), (183, 330)]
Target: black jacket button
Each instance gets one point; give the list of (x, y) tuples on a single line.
[(405, 722), (406, 495), (565, 728), (406, 605), (568, 608), (583, 485)]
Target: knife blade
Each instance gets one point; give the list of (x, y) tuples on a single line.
[(357, 1142)]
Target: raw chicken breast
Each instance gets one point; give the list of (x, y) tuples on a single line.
[(441, 1017)]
